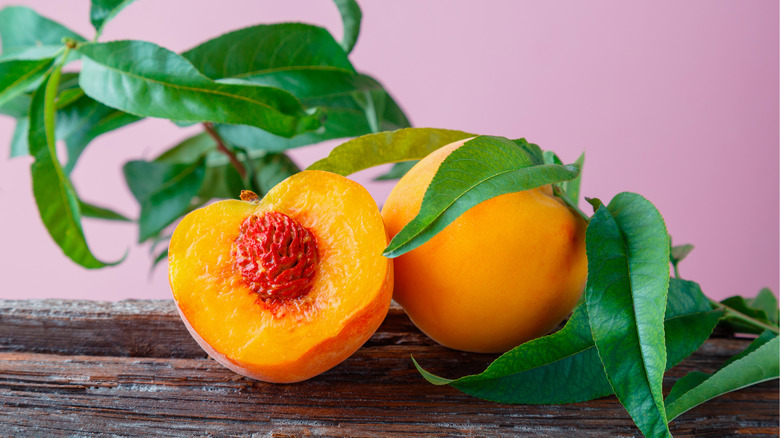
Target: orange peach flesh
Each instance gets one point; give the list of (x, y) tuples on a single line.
[(348, 301)]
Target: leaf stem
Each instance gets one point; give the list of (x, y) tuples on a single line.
[(559, 193), (742, 317), (209, 127)]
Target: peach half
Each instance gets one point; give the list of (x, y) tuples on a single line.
[(283, 288)]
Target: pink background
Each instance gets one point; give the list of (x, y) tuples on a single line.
[(675, 100)]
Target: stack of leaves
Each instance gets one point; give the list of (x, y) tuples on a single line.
[(258, 92), (634, 321)]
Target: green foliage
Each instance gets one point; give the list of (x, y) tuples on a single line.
[(165, 192), (532, 373), (147, 80), (85, 119), (594, 202), (271, 169), (350, 17), (743, 314), (171, 185), (386, 147), (22, 29), (104, 10), (317, 72), (679, 252), (265, 88), (17, 107), (483, 168), (54, 194), (569, 190), (758, 363), (263, 49), (98, 212), (628, 277), (18, 75), (339, 93), (397, 171)]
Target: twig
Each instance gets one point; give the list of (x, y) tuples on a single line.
[(209, 127), (742, 317)]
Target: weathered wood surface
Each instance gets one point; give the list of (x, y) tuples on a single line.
[(80, 368)]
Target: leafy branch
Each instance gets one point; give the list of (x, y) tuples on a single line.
[(282, 86)]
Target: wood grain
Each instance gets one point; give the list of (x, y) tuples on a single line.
[(130, 369)]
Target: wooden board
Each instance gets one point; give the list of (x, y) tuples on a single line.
[(131, 369)]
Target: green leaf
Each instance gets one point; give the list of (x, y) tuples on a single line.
[(683, 385), (21, 28), (147, 80), (628, 279), (104, 10), (165, 191), (163, 255), (337, 92), (16, 76), (68, 97), (687, 330), (693, 379), (533, 372), (19, 145), (344, 119), (536, 372), (97, 212), (157, 255), (84, 120), (679, 252), (189, 150), (54, 193), (221, 180), (350, 17), (17, 107), (573, 187), (267, 48), (594, 202), (758, 363), (271, 169), (762, 339), (570, 189), (397, 171), (310, 65), (766, 301), (386, 147), (484, 167), (77, 123), (33, 53), (762, 308)]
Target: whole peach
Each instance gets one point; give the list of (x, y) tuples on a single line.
[(506, 271)]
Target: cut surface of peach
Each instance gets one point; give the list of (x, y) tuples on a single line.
[(270, 333)]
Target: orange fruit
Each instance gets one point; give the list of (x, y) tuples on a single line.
[(283, 288), (506, 271)]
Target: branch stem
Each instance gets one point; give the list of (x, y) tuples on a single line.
[(234, 161), (742, 317), (559, 193)]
